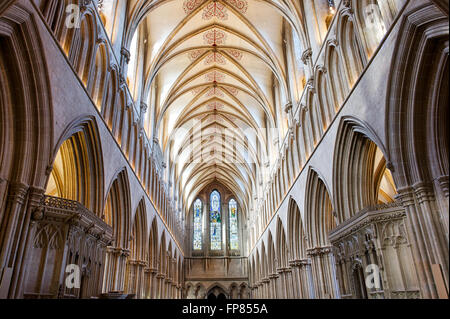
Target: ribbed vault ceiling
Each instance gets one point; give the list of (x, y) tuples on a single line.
[(214, 67)]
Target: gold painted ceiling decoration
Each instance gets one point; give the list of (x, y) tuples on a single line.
[(216, 71)]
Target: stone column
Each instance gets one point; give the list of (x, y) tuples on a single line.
[(179, 291), (290, 283), (140, 282), (427, 235), (323, 272), (160, 279), (131, 276), (282, 293), (273, 286), (294, 264), (153, 283), (115, 265), (168, 288), (11, 225), (304, 278), (266, 282), (21, 203), (174, 291), (260, 290), (125, 59), (343, 277), (147, 282)]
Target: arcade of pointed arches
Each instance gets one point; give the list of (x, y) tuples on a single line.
[(348, 166)]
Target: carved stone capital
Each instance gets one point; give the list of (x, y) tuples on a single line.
[(160, 276), (424, 192), (306, 56), (144, 107), (126, 54), (147, 270), (288, 107), (101, 40), (333, 42), (132, 262), (303, 263), (153, 271), (310, 85), (281, 270), (18, 192), (443, 182), (321, 68), (125, 252), (319, 251)]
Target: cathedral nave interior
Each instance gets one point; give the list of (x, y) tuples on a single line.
[(224, 149)]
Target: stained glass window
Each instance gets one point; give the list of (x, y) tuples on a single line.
[(215, 221), (234, 238), (198, 205)]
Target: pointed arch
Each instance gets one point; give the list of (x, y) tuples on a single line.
[(77, 169), (139, 245), (360, 176), (296, 231), (82, 46), (336, 83), (99, 74), (409, 96), (272, 262), (26, 131), (319, 211), (282, 251), (117, 211), (418, 138), (348, 36), (162, 254), (153, 244)]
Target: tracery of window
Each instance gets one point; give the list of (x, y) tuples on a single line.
[(215, 221), (198, 225), (234, 235)]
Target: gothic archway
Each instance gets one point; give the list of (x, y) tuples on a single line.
[(217, 293), (26, 135), (417, 135)]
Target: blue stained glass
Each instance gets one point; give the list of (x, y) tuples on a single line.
[(234, 234), (198, 205), (215, 221)]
